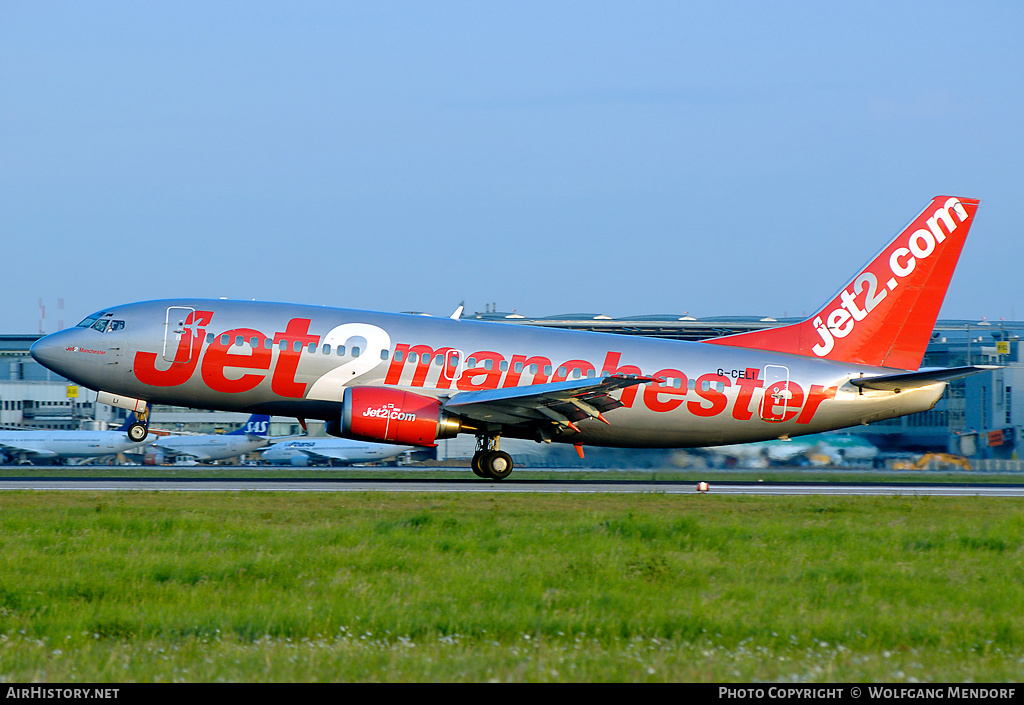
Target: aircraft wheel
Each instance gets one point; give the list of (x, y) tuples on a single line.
[(496, 464), (476, 464), (137, 432)]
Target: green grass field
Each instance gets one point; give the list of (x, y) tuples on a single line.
[(413, 587)]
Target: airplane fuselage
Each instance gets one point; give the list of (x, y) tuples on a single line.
[(297, 360)]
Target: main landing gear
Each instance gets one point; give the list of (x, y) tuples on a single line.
[(489, 462)]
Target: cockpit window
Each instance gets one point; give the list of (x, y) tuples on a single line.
[(102, 323), (88, 322)]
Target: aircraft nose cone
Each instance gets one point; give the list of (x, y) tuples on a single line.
[(48, 350), (57, 352)]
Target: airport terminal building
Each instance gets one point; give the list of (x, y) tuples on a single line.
[(979, 417)]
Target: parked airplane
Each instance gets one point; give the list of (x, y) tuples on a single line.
[(330, 451), (58, 446), (412, 380), (815, 449), (205, 448)]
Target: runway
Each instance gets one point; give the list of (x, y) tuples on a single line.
[(100, 484)]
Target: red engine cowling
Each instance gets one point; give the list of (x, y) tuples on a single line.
[(394, 416)]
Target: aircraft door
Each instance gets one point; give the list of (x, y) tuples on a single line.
[(174, 328), (775, 400), (454, 365)]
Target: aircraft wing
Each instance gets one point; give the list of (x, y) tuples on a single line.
[(563, 403), (914, 380), (179, 453), (28, 450)]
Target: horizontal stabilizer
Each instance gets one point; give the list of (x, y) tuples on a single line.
[(914, 380)]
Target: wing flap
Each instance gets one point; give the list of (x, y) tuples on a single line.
[(561, 402)]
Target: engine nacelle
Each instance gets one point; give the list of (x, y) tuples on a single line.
[(392, 416)]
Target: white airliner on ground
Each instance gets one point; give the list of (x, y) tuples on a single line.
[(205, 448), (330, 451), (59, 446), (412, 380), (817, 449)]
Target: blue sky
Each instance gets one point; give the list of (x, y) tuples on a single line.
[(618, 158)]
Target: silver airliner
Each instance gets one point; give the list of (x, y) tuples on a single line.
[(59, 446), (412, 380), (209, 447), (301, 452)]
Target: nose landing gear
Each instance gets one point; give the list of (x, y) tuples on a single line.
[(139, 429)]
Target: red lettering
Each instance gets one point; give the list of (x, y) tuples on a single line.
[(653, 392), (817, 395), (564, 370), (186, 357), (711, 394), (520, 364), (426, 356), (488, 378), (394, 375), (741, 408), (283, 382), (773, 397), (217, 358), (611, 367)]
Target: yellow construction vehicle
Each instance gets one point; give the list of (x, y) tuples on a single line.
[(934, 461)]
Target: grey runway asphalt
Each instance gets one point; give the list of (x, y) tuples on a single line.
[(506, 487)]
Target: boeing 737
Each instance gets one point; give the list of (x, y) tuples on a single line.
[(412, 380), (330, 451), (206, 448), (58, 446)]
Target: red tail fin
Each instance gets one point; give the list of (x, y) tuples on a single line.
[(885, 315)]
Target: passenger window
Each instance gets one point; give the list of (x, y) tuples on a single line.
[(471, 362), (398, 355), (283, 345), (326, 350), (412, 357), (519, 367), (209, 338), (503, 365), (225, 339), (239, 340), (561, 371), (297, 346), (254, 342), (355, 352), (383, 354), (547, 370), (341, 351)]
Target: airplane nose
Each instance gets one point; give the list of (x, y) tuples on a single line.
[(54, 351), (46, 351)]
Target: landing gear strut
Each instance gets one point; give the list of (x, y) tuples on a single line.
[(489, 462), (138, 431)]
